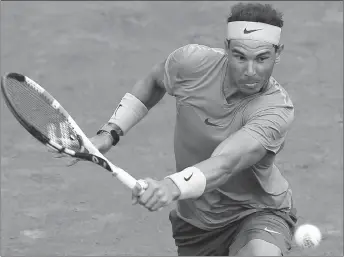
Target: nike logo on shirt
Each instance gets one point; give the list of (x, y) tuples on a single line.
[(207, 122)]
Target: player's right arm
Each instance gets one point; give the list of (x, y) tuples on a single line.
[(145, 94), (171, 75)]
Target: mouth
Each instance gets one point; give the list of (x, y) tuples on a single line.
[(251, 85)]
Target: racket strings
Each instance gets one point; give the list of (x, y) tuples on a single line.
[(35, 107)]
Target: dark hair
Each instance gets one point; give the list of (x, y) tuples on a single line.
[(256, 12)]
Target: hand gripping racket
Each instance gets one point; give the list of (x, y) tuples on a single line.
[(44, 118)]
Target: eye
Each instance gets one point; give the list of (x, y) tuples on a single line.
[(261, 59), (240, 57)]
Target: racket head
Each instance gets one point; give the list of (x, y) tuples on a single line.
[(45, 119), (39, 113)]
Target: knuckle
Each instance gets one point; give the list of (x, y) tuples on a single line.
[(155, 188), (149, 207), (160, 193), (151, 183), (149, 180), (141, 199), (163, 200)]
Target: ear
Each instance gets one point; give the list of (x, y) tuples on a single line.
[(278, 53)]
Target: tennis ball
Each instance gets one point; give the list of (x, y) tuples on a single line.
[(307, 236)]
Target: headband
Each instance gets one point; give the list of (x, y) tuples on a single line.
[(254, 31)]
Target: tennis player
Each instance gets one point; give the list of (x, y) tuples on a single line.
[(232, 121)]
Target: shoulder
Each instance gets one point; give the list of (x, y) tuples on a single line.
[(189, 64), (275, 96), (193, 56), (273, 102)]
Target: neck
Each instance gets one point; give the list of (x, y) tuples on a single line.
[(230, 90)]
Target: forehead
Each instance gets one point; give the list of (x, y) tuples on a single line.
[(251, 46)]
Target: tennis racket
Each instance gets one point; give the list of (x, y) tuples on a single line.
[(45, 119)]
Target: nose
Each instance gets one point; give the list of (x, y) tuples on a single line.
[(250, 69)]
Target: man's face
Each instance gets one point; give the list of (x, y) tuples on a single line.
[(251, 64)]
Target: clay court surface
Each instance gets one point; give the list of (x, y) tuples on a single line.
[(88, 55)]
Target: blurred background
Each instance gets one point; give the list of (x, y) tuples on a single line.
[(88, 55)]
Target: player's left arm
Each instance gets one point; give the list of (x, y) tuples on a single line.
[(238, 152), (264, 131), (234, 154)]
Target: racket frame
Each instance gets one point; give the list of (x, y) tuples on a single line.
[(94, 154)]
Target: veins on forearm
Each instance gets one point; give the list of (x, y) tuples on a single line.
[(218, 169)]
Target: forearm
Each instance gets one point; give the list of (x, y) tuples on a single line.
[(229, 158), (205, 176), (148, 91), (235, 154), (218, 169), (134, 106)]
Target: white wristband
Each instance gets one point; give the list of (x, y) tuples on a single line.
[(128, 113), (190, 181)]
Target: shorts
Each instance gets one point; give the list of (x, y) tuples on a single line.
[(271, 226)]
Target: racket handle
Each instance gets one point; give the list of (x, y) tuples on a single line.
[(127, 179), (119, 173), (123, 176)]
